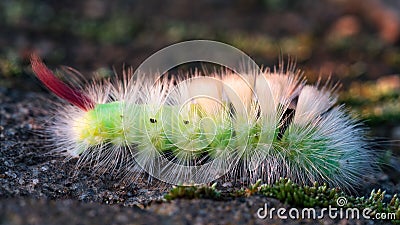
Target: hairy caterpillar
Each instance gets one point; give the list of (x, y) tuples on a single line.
[(261, 126)]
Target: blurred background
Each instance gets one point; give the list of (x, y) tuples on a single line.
[(357, 41)]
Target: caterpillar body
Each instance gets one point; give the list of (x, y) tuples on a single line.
[(260, 126)]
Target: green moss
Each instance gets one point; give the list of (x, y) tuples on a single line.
[(295, 195), (322, 196), (192, 192)]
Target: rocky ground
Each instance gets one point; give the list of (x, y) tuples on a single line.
[(38, 188)]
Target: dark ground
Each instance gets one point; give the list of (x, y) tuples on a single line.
[(37, 188), (357, 41)]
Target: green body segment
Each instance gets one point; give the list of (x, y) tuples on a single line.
[(101, 124), (310, 150), (189, 133)]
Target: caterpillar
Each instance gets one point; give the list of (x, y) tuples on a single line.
[(198, 128)]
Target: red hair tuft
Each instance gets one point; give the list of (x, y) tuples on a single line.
[(46, 76)]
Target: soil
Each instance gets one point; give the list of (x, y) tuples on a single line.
[(39, 188)]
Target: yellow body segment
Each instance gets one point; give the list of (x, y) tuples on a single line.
[(102, 124)]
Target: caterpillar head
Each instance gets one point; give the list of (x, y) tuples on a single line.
[(102, 124)]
